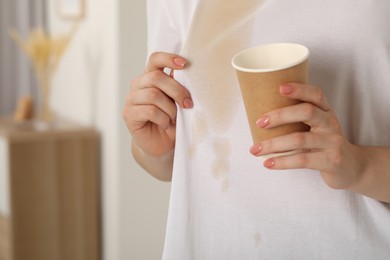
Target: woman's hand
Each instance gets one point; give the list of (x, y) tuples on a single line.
[(324, 147), (150, 109), (150, 113), (362, 169)]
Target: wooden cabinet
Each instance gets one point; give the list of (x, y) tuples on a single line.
[(49, 192)]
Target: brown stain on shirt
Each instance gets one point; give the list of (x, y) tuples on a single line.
[(219, 29), (257, 238), (221, 166)]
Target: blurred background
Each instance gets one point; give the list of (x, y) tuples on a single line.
[(89, 178)]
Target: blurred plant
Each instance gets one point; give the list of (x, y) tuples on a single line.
[(45, 52)]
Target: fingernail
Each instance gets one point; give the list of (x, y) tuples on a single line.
[(286, 89), (255, 149), (263, 122), (269, 163), (179, 61), (188, 103)]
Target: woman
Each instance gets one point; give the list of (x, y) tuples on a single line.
[(189, 126)]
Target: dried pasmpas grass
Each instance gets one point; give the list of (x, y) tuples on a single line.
[(45, 52)]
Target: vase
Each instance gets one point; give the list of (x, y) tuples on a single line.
[(45, 113)]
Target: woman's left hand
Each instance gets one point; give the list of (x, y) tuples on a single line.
[(324, 147)]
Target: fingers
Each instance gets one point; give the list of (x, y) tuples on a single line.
[(305, 93), (304, 160), (314, 111), (319, 148), (152, 98), (295, 141), (303, 112), (162, 60), (153, 95), (323, 148), (162, 82), (155, 77), (148, 113)]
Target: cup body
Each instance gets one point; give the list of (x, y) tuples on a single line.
[(260, 71)]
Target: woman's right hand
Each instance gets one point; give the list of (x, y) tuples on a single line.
[(150, 109)]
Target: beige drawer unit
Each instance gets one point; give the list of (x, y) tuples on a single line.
[(49, 192)]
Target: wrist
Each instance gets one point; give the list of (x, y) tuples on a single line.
[(159, 166), (373, 176)]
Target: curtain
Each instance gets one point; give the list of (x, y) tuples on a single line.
[(16, 74)]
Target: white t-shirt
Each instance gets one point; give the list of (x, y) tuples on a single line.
[(224, 204)]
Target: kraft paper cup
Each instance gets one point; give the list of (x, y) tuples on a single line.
[(260, 71)]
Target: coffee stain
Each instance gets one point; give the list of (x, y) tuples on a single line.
[(220, 168), (215, 35), (225, 185), (257, 238), (199, 133), (219, 29), (192, 148), (199, 127), (222, 147), (221, 165)]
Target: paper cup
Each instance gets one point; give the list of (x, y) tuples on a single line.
[(260, 71)]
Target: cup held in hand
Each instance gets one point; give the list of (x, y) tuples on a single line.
[(260, 71)]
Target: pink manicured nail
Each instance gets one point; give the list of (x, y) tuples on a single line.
[(188, 103), (263, 122), (180, 61), (255, 149), (286, 89), (269, 163)]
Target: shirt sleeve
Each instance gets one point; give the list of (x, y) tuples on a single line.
[(162, 32)]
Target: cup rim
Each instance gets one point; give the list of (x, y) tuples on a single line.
[(281, 44)]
